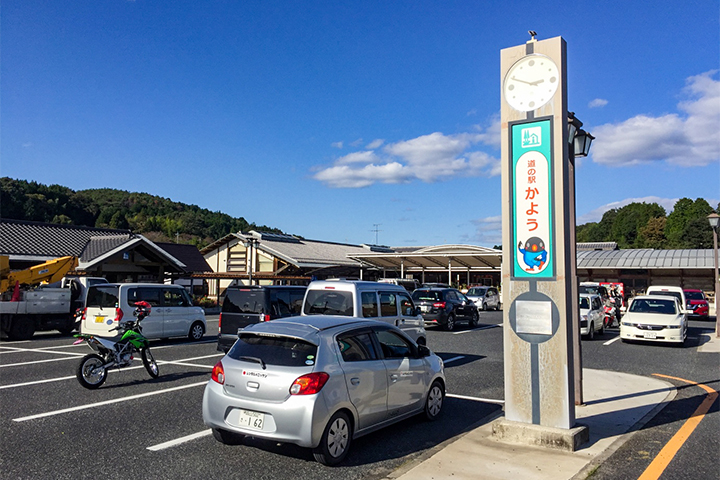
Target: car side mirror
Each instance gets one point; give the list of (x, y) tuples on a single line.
[(423, 351)]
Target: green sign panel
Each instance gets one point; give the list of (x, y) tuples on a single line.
[(532, 221)]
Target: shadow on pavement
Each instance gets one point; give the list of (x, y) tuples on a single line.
[(408, 437)]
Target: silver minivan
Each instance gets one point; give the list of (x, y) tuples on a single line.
[(371, 300), (173, 314)]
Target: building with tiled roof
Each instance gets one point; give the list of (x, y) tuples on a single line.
[(118, 255)]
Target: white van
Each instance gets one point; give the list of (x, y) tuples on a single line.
[(173, 314), (676, 292), (355, 298)]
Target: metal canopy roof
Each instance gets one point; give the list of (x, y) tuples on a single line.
[(436, 258), (646, 259)]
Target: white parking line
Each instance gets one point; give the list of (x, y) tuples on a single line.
[(107, 402), (178, 441), (181, 362), (42, 361), (453, 359), (476, 329), (41, 350), (205, 433), (613, 340), (160, 347), (476, 399)]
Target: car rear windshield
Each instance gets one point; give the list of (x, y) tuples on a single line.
[(274, 350), (643, 305), (585, 303), (667, 294), (102, 296), (694, 295), (328, 302), (476, 292), (244, 301), (427, 295)]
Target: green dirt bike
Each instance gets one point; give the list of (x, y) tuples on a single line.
[(114, 353)]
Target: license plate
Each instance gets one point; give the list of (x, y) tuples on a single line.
[(424, 308), (650, 334), (99, 319), (251, 419)]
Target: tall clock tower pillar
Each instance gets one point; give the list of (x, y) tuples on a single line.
[(539, 263)]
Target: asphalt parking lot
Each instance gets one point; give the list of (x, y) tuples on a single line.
[(134, 426)]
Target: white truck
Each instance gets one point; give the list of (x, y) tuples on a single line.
[(27, 305)]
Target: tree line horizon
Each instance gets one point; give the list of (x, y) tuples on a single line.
[(636, 225)]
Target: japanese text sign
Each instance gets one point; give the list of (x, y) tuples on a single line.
[(532, 228)]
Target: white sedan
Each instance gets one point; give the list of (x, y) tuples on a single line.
[(654, 318)]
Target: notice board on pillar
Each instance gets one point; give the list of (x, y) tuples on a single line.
[(532, 220)]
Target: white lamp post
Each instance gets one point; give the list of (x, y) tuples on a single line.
[(250, 243), (714, 220)]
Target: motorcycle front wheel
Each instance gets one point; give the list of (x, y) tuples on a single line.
[(91, 373), (150, 364)]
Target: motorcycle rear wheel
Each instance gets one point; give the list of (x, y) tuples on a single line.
[(91, 373), (150, 364)]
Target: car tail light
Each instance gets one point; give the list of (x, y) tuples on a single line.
[(309, 384), (218, 373), (220, 324), (439, 304), (118, 314), (265, 318), (84, 314)]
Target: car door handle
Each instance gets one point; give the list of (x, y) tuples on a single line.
[(355, 381), (393, 377)]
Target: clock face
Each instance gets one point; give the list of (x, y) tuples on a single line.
[(531, 82)]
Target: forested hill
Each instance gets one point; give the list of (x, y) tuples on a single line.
[(159, 219), (646, 225)]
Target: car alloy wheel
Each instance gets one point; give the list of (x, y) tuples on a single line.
[(450, 325)]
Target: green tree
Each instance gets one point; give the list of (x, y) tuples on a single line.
[(652, 235), (686, 212), (630, 219)]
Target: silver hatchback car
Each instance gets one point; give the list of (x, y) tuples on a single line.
[(320, 382)]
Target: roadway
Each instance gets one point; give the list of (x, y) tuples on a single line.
[(134, 426)]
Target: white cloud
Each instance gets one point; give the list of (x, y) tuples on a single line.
[(343, 176), (597, 103), (491, 135), (428, 158), (357, 157), (690, 138), (357, 142), (375, 144), (337, 144), (488, 231)]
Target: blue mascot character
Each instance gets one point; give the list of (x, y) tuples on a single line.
[(534, 253)]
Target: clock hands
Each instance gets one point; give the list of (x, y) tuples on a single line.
[(535, 83)]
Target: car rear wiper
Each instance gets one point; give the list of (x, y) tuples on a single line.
[(254, 359)]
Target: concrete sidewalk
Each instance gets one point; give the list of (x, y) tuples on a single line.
[(615, 403)]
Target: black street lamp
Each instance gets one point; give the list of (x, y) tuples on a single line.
[(714, 220), (579, 138)]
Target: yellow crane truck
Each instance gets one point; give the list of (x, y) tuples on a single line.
[(28, 303)]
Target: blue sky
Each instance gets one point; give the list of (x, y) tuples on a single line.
[(332, 120)]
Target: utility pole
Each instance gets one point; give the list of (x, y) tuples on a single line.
[(376, 230)]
